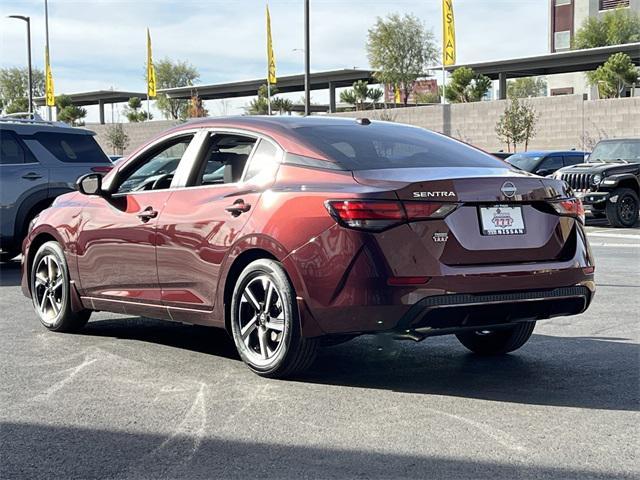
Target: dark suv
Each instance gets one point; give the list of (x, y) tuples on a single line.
[(609, 184), (545, 162), (39, 161)]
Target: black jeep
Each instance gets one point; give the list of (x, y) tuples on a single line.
[(609, 183)]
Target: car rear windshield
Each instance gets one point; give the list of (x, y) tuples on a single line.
[(377, 146), (72, 148), (524, 162)]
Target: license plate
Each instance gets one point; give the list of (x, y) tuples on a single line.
[(502, 220)]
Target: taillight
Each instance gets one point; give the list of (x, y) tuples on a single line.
[(571, 207), (379, 215), (366, 215), (102, 169)]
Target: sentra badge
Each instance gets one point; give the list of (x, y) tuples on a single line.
[(433, 194)]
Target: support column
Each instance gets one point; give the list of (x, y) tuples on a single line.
[(502, 85), (332, 97), (101, 108)]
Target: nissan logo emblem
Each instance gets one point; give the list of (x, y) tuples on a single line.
[(508, 189)]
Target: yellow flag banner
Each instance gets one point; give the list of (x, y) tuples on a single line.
[(448, 34), (48, 81), (271, 59), (396, 96), (151, 71)]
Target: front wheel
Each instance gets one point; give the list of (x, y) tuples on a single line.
[(50, 291), (497, 342), (265, 323), (624, 212)]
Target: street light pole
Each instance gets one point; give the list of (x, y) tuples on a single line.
[(28, 20), (307, 79)]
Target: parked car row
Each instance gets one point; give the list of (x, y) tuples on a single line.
[(38, 162)]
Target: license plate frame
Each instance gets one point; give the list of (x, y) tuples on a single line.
[(501, 220)]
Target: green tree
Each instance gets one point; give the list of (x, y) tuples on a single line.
[(527, 87), (170, 74), (260, 104), (517, 125), (611, 78), (615, 27), (134, 112), (428, 97), (466, 86), (117, 138), (68, 112), (14, 88), (400, 48), (360, 94)]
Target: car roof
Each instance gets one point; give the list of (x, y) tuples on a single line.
[(29, 127)]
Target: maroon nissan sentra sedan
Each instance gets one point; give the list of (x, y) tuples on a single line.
[(292, 233)]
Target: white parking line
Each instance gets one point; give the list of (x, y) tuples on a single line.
[(629, 245), (628, 236)]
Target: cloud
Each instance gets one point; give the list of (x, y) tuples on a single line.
[(101, 44)]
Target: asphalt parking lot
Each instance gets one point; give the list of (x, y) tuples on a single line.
[(137, 398)]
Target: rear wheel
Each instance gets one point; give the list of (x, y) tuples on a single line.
[(50, 291), (497, 342), (624, 212), (265, 323)]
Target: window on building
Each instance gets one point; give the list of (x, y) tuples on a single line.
[(562, 40), (562, 2), (611, 4)]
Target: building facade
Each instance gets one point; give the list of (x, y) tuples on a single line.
[(565, 19)]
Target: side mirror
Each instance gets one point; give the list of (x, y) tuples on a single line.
[(90, 184)]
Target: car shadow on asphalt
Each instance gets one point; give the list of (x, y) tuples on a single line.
[(581, 372), (58, 452), (206, 340)]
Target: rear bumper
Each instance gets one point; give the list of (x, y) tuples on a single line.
[(445, 314)]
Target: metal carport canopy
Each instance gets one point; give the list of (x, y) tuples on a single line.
[(552, 63), (289, 83), (97, 97)]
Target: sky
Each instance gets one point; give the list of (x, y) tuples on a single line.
[(100, 44)]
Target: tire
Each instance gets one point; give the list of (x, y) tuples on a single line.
[(268, 338), (624, 212), (497, 342), (50, 291)]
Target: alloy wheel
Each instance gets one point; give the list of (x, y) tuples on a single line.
[(48, 288), (261, 318)]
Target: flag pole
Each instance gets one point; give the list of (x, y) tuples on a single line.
[(268, 95)]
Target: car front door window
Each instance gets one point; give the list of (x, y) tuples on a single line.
[(156, 170)]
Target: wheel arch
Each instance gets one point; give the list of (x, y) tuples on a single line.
[(235, 269)]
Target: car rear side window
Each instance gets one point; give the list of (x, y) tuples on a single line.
[(72, 148), (13, 151), (264, 164), (376, 146)]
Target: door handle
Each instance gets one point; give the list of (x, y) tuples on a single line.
[(31, 176), (238, 207), (147, 214)]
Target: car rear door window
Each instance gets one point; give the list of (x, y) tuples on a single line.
[(12, 152), (224, 160), (72, 147)]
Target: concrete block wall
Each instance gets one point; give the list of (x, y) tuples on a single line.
[(139, 133), (564, 122)]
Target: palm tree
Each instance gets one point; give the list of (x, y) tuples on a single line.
[(349, 96), (375, 94)]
